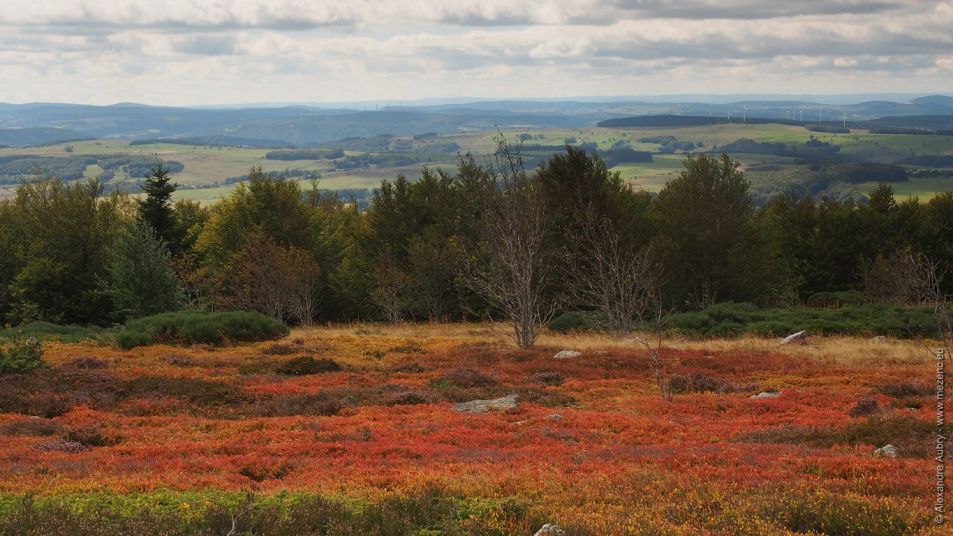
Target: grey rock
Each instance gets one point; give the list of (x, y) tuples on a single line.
[(550, 529), (795, 338), (766, 394), (482, 406), (887, 451), (567, 354), (879, 339)]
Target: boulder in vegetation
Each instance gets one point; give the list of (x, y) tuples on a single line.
[(567, 354), (550, 529), (482, 406), (886, 451), (766, 394), (879, 339)]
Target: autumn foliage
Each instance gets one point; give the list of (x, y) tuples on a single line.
[(351, 430)]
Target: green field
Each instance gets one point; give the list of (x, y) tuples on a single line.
[(206, 167)]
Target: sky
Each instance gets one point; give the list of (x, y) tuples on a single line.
[(194, 52)]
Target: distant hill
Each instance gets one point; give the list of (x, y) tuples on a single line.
[(27, 137), (941, 124), (309, 126)]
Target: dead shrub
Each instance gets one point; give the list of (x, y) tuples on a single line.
[(408, 368), (88, 362), (89, 436), (305, 365), (904, 389), (468, 377), (547, 378), (31, 427), (177, 360), (318, 405), (913, 437), (407, 398), (262, 471), (864, 407), (61, 445), (700, 383), (283, 348), (201, 392), (408, 347)]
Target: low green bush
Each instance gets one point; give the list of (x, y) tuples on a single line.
[(48, 331), (211, 512), (736, 319), (22, 355), (575, 321), (197, 327)]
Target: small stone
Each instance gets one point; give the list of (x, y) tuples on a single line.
[(766, 394), (550, 529), (795, 338), (556, 417), (567, 354), (879, 339), (887, 451), (482, 406)]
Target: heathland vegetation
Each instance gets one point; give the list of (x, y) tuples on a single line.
[(150, 383)]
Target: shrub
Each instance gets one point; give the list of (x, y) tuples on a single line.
[(547, 378), (320, 405), (304, 365), (61, 445), (849, 515), (867, 406), (467, 377), (912, 436), (698, 383), (735, 319), (89, 436), (281, 348), (407, 398), (575, 321), (22, 355), (905, 389), (196, 327), (48, 331), (88, 362), (31, 427)]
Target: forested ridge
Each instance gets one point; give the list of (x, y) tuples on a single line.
[(452, 245)]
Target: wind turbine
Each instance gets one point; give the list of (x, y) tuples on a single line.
[(744, 114)]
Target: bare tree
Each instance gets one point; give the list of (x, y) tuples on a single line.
[(279, 282), (610, 274), (513, 267), (920, 278), (389, 289)]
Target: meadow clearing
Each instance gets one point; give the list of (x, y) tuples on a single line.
[(206, 168), (351, 429)]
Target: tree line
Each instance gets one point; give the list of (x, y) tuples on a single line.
[(491, 239)]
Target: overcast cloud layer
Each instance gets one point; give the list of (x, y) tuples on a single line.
[(233, 51)]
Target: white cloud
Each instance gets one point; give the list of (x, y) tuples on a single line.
[(205, 51)]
